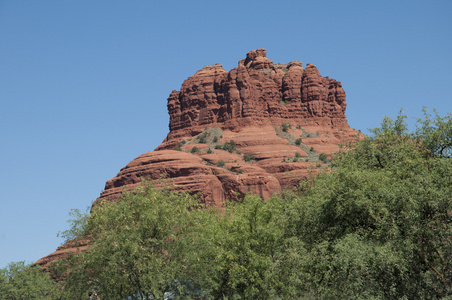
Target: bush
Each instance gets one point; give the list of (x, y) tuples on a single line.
[(209, 151), (297, 154), (285, 127), (229, 146), (215, 139), (323, 157), (177, 148), (202, 138), (220, 163), (298, 142), (249, 157), (194, 150)]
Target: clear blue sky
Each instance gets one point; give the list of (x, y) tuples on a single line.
[(83, 84)]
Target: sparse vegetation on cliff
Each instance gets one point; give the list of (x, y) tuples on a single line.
[(285, 127), (228, 146), (208, 136)]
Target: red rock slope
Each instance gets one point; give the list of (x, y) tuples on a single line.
[(258, 128)]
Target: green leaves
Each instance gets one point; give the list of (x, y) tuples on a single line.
[(138, 243), (436, 133), (248, 239), (386, 200), (21, 281), (78, 224)]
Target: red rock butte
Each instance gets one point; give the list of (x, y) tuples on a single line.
[(259, 128), (280, 117)]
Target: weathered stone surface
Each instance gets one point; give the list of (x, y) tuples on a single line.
[(258, 89), (197, 174), (280, 117)]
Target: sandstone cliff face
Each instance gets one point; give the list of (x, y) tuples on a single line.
[(256, 89), (258, 128)]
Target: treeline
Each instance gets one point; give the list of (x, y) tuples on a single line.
[(377, 225)]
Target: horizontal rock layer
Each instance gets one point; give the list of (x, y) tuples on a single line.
[(265, 158)]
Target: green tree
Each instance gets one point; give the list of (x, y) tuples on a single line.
[(140, 245), (19, 281), (436, 133), (248, 237), (397, 126), (378, 225), (78, 223)]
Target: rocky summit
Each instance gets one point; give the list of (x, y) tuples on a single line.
[(259, 128)]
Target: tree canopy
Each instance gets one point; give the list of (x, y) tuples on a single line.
[(378, 225), (22, 281)]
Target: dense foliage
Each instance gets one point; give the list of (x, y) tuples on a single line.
[(377, 225), (19, 281), (138, 245)]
